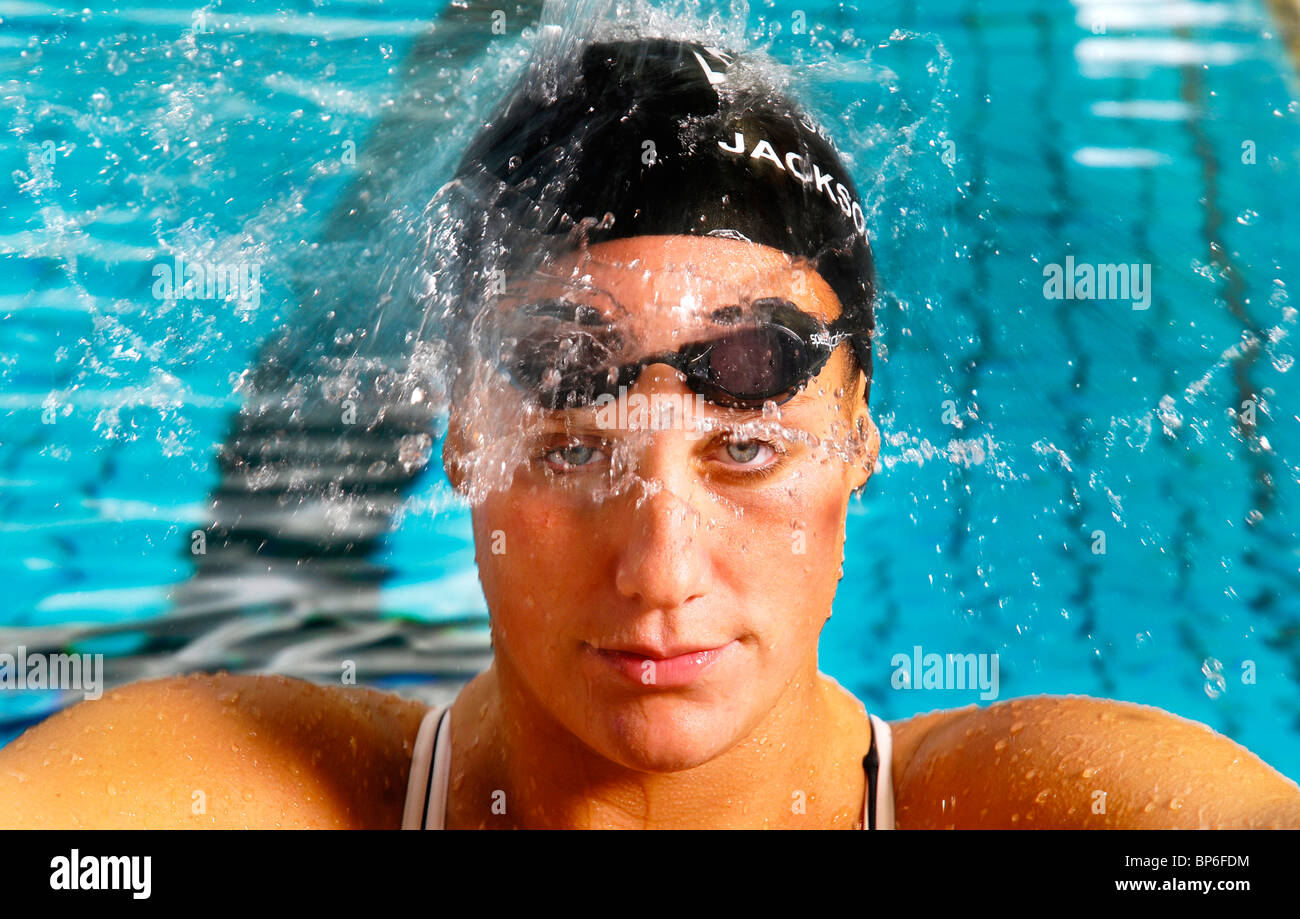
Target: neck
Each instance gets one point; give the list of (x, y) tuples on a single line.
[(799, 767)]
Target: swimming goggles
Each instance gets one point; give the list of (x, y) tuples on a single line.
[(568, 358)]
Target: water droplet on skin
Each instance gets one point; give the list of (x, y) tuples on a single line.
[(1042, 796), (112, 789), (999, 746), (1089, 772), (1151, 805), (1176, 804), (1017, 727)]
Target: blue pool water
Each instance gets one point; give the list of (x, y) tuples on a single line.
[(992, 140)]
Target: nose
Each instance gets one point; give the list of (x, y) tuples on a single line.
[(663, 561)]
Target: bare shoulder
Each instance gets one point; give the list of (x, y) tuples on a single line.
[(1075, 761), (214, 751)]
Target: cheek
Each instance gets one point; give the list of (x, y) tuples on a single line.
[(537, 564), (791, 540)]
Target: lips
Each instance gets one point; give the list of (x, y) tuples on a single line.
[(657, 669)]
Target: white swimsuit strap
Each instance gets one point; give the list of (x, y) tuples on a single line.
[(426, 789), (884, 775)]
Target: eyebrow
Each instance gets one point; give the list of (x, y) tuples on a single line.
[(583, 416), (561, 308)]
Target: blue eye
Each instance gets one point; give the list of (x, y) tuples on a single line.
[(571, 456), (743, 451), (748, 455)]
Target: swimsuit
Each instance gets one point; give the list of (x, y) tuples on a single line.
[(426, 790)]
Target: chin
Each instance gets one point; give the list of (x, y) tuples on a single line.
[(664, 734)]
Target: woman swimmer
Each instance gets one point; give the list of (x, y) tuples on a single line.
[(657, 584)]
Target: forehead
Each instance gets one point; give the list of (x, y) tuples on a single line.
[(673, 278)]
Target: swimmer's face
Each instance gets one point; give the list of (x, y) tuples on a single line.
[(658, 587)]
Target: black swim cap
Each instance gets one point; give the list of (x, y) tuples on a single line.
[(654, 133)]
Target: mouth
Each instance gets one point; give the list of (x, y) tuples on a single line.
[(655, 668)]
